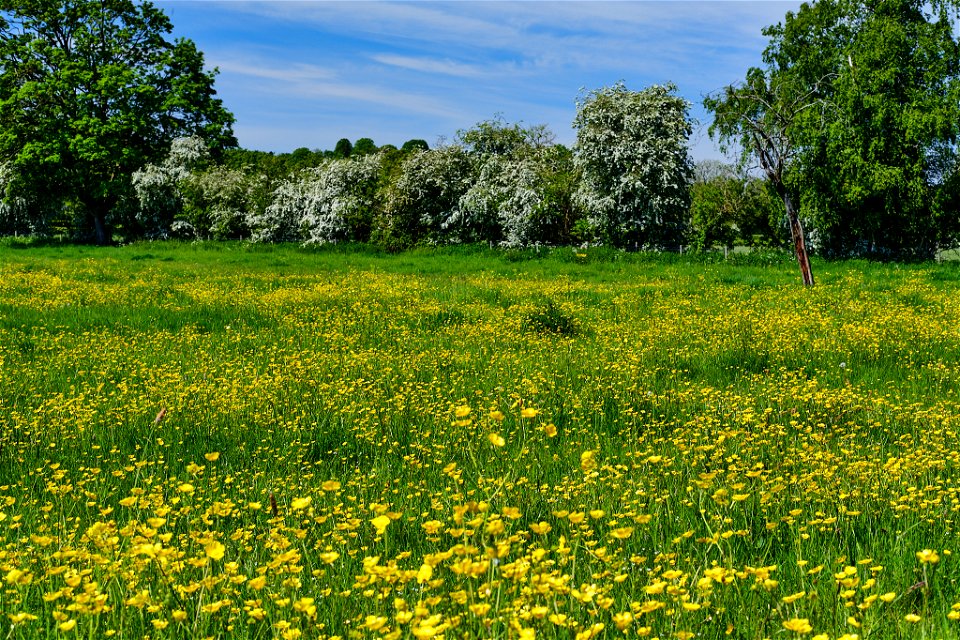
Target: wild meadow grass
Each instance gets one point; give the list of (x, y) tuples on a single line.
[(242, 442)]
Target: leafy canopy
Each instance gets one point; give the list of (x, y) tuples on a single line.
[(91, 91), (856, 113)]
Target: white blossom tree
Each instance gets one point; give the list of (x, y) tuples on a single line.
[(632, 149), (157, 187), (216, 202), (342, 198), (425, 196), (281, 221), (330, 203), (515, 200)]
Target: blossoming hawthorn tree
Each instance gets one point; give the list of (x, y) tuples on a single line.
[(189, 197), (216, 202), (424, 196), (519, 196), (632, 151), (91, 91), (281, 220), (521, 199), (342, 198), (330, 203), (20, 213), (157, 186)]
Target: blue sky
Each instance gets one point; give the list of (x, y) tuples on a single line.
[(300, 73)]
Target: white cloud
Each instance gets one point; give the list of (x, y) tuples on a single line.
[(289, 73), (284, 82), (429, 65)]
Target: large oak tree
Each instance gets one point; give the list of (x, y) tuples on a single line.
[(92, 90)]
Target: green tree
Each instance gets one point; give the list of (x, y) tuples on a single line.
[(416, 144), (364, 147), (730, 207), (343, 149), (632, 151), (864, 95), (761, 115), (92, 90), (879, 176), (497, 137)]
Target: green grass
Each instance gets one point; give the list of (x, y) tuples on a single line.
[(756, 438)]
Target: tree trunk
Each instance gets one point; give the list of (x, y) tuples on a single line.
[(796, 234), (100, 227), (96, 210)]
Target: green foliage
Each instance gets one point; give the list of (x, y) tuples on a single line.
[(496, 137), (343, 149), (364, 147), (549, 318), (91, 91), (415, 145), (728, 208), (878, 172), (858, 112)]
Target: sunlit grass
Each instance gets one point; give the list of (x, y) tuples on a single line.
[(219, 440)]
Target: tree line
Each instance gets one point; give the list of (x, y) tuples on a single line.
[(846, 134)]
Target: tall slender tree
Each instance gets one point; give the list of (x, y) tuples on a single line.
[(759, 115)]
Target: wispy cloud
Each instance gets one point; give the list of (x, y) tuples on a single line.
[(420, 69), (296, 73), (429, 65), (313, 82)]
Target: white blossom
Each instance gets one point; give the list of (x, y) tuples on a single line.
[(424, 199), (157, 187), (340, 198), (216, 201), (632, 150), (281, 220), (502, 204), (328, 203)]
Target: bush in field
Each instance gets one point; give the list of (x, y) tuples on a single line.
[(330, 203), (523, 191), (632, 150), (216, 202), (342, 200), (281, 221), (503, 186), (423, 199)]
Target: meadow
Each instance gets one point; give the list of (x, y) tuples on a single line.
[(236, 441)]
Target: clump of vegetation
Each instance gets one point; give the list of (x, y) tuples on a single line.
[(549, 318)]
